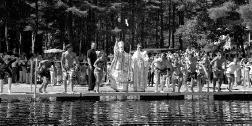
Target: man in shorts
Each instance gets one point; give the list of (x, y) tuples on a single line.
[(68, 61), (218, 71), (162, 67), (192, 74)]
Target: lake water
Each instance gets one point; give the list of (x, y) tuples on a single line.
[(170, 112)]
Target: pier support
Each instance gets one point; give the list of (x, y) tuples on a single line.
[(162, 97), (242, 97), (88, 98)]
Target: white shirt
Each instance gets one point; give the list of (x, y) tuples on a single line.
[(232, 68)]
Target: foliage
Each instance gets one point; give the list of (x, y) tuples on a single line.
[(149, 22), (246, 12), (222, 11), (191, 33)]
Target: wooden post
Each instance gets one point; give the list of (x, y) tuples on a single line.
[(31, 73), (35, 77)]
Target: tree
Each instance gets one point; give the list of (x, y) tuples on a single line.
[(246, 14)]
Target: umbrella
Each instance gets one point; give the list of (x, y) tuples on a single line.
[(53, 51)]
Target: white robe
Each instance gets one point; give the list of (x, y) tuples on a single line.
[(120, 69), (140, 70)]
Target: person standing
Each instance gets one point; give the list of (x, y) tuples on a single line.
[(91, 58), (15, 71), (218, 71), (100, 66), (119, 72), (140, 69), (68, 62), (192, 74), (5, 68), (162, 67), (44, 72), (230, 73)]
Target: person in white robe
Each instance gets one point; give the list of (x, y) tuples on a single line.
[(119, 74), (140, 69)]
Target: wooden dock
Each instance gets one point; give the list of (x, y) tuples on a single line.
[(107, 94), (104, 96)]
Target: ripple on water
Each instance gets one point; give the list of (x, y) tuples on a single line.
[(182, 112)]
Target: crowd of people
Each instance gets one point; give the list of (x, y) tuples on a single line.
[(172, 70), (192, 67), (14, 69)]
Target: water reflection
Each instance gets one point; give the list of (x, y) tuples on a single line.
[(193, 112)]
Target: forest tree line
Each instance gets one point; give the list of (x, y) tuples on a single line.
[(31, 26)]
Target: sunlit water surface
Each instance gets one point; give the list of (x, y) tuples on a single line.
[(172, 112)]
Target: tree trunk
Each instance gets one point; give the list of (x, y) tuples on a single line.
[(34, 33), (70, 25), (173, 25), (169, 23), (6, 34), (33, 41), (20, 43), (157, 20), (133, 25), (161, 26)]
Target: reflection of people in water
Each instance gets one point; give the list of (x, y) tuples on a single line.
[(120, 66), (140, 69)]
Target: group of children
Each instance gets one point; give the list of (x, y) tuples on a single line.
[(192, 68)]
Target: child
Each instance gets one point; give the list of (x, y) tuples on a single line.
[(246, 71), (75, 77), (58, 73), (100, 66), (44, 72), (230, 72)]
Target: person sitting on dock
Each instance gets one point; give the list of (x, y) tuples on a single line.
[(68, 61), (161, 67)]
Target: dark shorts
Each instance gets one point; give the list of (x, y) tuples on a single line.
[(163, 71), (230, 75), (218, 74), (45, 73), (5, 72), (191, 75)]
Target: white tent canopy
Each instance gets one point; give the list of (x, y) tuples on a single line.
[(53, 51)]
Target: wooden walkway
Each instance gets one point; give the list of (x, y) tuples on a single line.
[(108, 94), (237, 95)]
